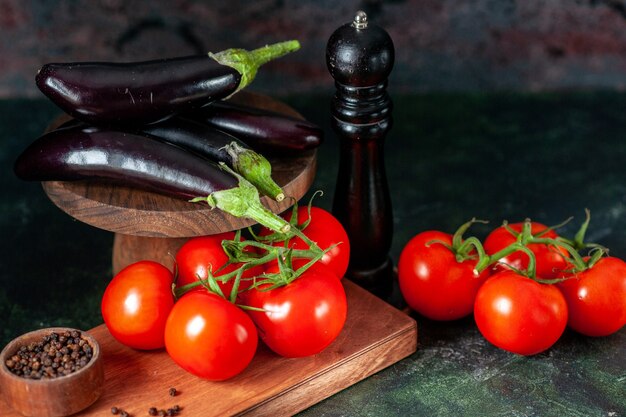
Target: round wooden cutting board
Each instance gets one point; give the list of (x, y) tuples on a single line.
[(139, 213), (150, 226)]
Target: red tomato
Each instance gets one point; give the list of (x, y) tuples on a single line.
[(518, 314), (596, 298), (433, 282), (210, 337), (550, 261), (303, 317), (325, 230), (200, 254), (136, 303)]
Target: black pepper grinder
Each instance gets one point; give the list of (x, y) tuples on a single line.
[(360, 56)]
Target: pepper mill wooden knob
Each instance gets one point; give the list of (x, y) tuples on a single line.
[(360, 56)]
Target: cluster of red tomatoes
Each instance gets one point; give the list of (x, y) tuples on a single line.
[(229, 292), (524, 284)]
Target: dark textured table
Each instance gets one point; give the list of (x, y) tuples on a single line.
[(449, 158)]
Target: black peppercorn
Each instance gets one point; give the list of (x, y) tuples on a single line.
[(115, 410), (53, 356), (173, 392)]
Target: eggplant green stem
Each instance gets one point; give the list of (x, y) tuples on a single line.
[(255, 168), (244, 201), (247, 63)]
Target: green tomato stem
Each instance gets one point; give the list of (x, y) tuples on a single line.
[(576, 259), (579, 237), (457, 238), (526, 234), (238, 247), (179, 291), (243, 201), (272, 253), (551, 228), (462, 248), (513, 247), (596, 255), (483, 258), (235, 290)]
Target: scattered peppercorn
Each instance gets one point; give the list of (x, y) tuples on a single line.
[(56, 355), (172, 411), (115, 410), (124, 414)]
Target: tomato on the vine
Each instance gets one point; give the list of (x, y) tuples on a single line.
[(433, 282), (596, 297), (303, 317), (210, 337), (550, 260), (136, 303), (519, 314), (200, 254), (325, 230)]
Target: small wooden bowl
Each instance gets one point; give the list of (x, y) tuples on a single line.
[(54, 397)]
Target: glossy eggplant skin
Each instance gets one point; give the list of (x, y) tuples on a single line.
[(262, 130), (136, 93), (78, 152), (195, 137)]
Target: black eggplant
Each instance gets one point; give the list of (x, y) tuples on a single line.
[(83, 152), (218, 146), (263, 130), (145, 92), (79, 152)]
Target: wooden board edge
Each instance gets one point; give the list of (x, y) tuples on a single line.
[(78, 198), (340, 376), (397, 343), (195, 220)]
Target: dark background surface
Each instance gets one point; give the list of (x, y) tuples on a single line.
[(452, 157), (441, 45), (503, 110)]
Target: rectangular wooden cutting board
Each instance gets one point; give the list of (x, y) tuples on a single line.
[(375, 336)]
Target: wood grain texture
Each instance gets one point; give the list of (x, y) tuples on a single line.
[(56, 397), (375, 336), (133, 212), (128, 249)]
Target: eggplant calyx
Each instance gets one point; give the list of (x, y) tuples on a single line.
[(255, 168), (247, 62), (244, 201)]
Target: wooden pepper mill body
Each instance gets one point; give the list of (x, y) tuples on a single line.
[(360, 57)]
